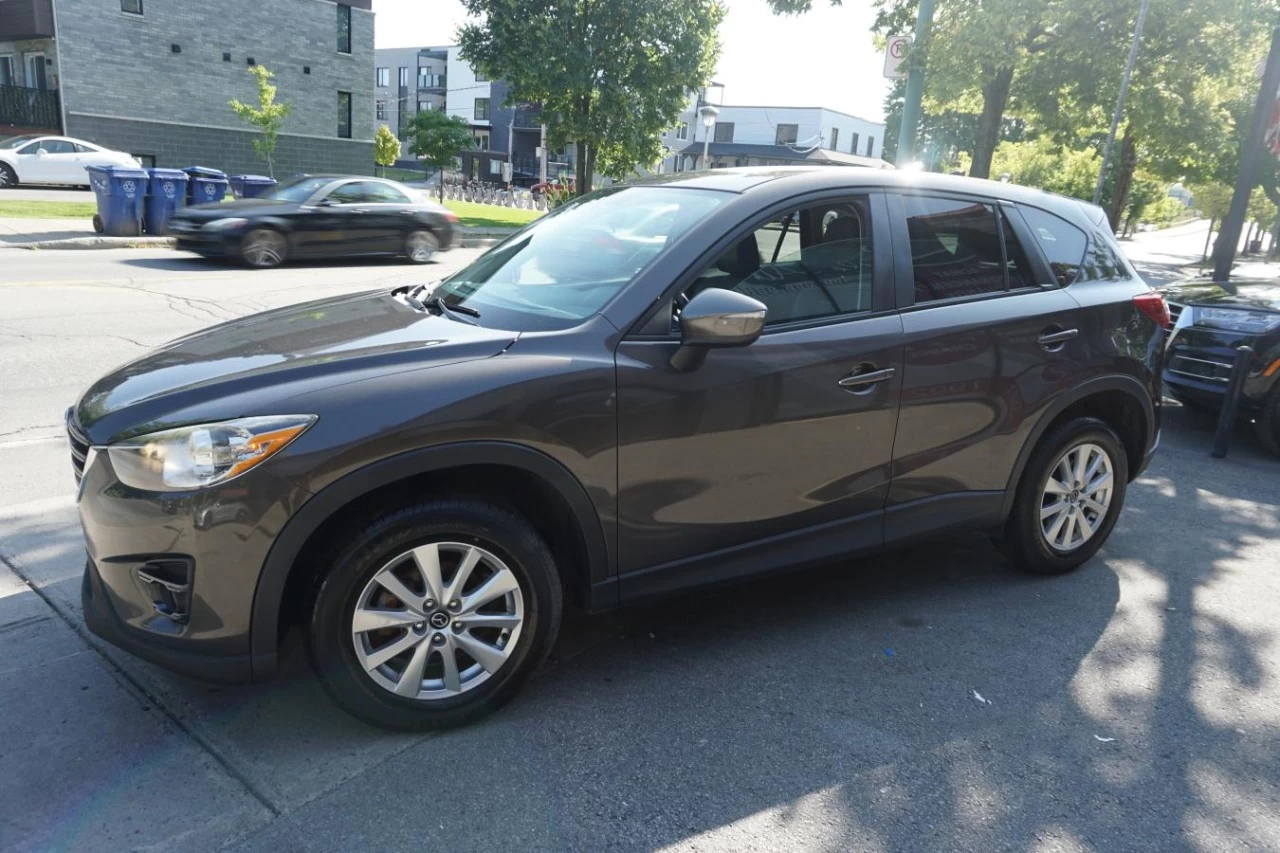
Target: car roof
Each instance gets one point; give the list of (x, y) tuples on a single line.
[(806, 178)]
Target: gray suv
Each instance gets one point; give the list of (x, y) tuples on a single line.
[(658, 387)]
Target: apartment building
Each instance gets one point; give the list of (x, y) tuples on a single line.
[(154, 77), (770, 136)]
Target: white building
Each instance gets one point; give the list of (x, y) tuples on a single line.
[(767, 136)]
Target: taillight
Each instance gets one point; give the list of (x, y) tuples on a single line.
[(1153, 305)]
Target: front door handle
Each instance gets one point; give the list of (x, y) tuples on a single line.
[(863, 381), (1054, 341)]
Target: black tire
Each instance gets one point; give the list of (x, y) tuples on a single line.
[(98, 227), (8, 177), (369, 548), (1023, 540), (1267, 424), (264, 248), (421, 246)]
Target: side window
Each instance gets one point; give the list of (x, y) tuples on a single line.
[(1020, 274), (58, 146), (356, 192), (1062, 243), (1102, 259), (806, 264), (955, 248), (385, 194), (83, 149)]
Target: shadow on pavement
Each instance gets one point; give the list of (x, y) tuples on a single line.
[(185, 261)]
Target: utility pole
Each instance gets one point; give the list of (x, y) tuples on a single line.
[(1224, 251), (542, 157), (915, 90), (1124, 90)]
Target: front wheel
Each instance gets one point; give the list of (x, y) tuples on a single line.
[(433, 615), (1068, 499), (421, 246), (263, 248), (8, 177)]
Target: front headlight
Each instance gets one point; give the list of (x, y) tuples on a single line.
[(197, 456), (1237, 320), (226, 224)]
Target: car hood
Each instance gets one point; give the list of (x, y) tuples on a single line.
[(278, 354), (246, 207), (1263, 295)]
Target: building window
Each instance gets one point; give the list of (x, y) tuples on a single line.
[(344, 29), (404, 76), (786, 135), (380, 110), (133, 7), (835, 137), (724, 131), (480, 77), (384, 77), (871, 145), (682, 130), (6, 71), (482, 140), (853, 144), (482, 109), (344, 115)]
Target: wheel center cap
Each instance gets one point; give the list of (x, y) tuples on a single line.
[(439, 619)]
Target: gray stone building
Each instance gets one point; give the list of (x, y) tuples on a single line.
[(154, 77)]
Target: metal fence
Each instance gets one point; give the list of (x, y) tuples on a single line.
[(29, 107)]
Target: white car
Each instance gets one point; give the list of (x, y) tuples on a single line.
[(53, 160)]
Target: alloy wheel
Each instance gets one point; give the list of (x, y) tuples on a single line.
[(421, 246), (1076, 497), (7, 178), (437, 621), (264, 248)]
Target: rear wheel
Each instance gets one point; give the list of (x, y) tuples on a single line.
[(8, 177), (434, 615), (1069, 498), (421, 246), (263, 248)]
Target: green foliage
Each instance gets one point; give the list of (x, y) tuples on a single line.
[(437, 139), (1042, 164), (1165, 210), (1260, 209), (386, 148), (1213, 200), (267, 116), (608, 77)]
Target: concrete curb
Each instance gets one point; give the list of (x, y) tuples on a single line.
[(478, 241)]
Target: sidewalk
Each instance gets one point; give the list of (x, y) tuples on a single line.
[(79, 234)]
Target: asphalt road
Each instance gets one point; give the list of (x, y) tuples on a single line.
[(929, 699)]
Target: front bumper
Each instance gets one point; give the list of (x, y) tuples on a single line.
[(212, 243), (1199, 360)]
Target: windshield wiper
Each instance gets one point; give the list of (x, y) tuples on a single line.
[(443, 307)]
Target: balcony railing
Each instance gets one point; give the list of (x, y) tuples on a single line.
[(432, 82), (29, 107)]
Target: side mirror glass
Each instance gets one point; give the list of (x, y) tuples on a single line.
[(715, 319)]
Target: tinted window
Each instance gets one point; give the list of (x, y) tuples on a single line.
[(355, 192), (1062, 243), (955, 248), (386, 194), (808, 263), (1102, 259), (296, 190), (1020, 274)]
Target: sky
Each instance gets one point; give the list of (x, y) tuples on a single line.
[(824, 58)]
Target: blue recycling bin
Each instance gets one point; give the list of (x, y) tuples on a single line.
[(250, 186), (166, 194), (205, 185), (120, 191)]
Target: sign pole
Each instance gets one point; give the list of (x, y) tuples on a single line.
[(915, 90), (1124, 90), (1224, 251)]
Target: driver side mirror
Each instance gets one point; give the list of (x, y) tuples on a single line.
[(716, 319), (326, 202)]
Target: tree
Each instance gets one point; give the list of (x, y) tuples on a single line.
[(1045, 165), (609, 78), (437, 139), (386, 148), (267, 116)]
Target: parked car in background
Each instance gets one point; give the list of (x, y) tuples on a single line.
[(319, 216), (1210, 322), (656, 387), (34, 159)]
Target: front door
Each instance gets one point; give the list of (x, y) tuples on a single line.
[(990, 337), (341, 223), (719, 466)]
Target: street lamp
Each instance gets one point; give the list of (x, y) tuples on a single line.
[(708, 114)]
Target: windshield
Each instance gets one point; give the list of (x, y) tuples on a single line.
[(565, 266), (15, 141), (296, 190)]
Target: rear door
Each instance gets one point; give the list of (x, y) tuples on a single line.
[(338, 223), (990, 338), (390, 216)]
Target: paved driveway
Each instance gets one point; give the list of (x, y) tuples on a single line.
[(928, 699)]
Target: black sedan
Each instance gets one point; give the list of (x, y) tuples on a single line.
[(319, 217), (1210, 322)]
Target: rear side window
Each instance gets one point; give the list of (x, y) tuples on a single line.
[(1063, 244), (955, 248), (1102, 260)]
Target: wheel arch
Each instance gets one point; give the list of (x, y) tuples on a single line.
[(1121, 401), (533, 483)]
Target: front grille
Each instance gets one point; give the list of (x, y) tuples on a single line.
[(79, 446), (1203, 369), (1175, 311)]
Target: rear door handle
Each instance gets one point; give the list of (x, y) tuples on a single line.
[(861, 381), (1054, 341)]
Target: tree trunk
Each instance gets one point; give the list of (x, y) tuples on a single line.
[(580, 168), (995, 95), (1124, 178), (1275, 236), (440, 184), (591, 167)]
